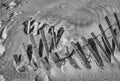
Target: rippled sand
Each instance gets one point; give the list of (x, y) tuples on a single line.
[(80, 19)]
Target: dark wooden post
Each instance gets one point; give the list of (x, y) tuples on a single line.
[(59, 35), (41, 46), (116, 17)]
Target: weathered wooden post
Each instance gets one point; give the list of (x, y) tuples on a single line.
[(116, 17)]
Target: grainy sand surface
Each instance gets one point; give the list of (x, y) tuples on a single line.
[(81, 17)]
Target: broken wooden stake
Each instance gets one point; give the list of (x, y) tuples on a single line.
[(2, 32), (59, 35), (25, 24), (116, 17), (41, 46), (113, 45), (112, 32), (29, 52), (54, 36), (51, 46), (28, 26)]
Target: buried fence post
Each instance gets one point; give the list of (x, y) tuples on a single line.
[(112, 32)]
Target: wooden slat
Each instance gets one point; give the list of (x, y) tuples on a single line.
[(51, 45), (59, 35), (53, 39), (113, 45), (29, 52), (1, 33), (54, 36), (31, 30), (41, 46), (25, 29), (28, 26), (99, 63), (116, 17), (100, 45), (32, 22), (112, 31)]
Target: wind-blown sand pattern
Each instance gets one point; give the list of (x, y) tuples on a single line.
[(43, 40)]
